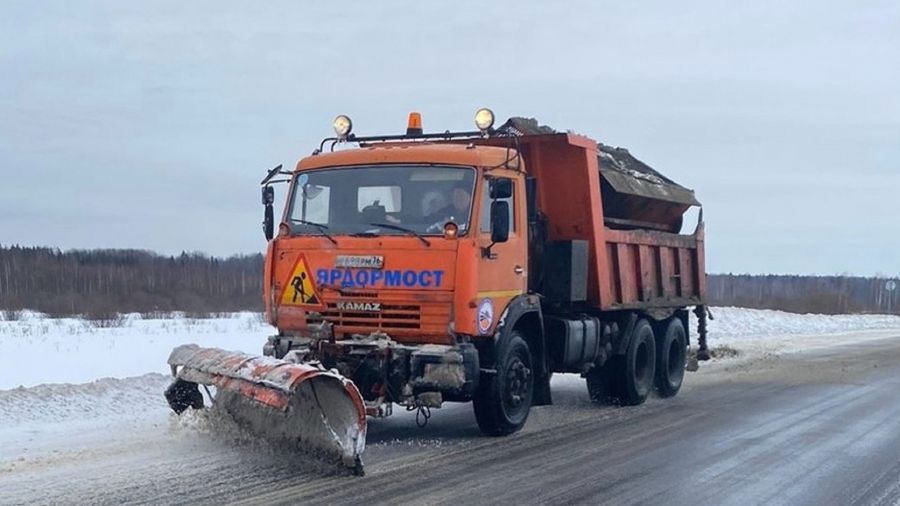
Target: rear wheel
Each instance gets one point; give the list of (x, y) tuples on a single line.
[(504, 399), (638, 365), (671, 358)]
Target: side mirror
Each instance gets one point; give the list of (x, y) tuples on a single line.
[(499, 221), (501, 188), (268, 195), (268, 198)]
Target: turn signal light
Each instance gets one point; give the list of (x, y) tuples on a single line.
[(450, 230)]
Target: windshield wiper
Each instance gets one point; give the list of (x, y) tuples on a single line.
[(322, 228), (403, 229)]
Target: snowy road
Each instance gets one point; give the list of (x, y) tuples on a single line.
[(814, 427)]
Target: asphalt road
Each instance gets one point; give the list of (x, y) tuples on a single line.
[(813, 428)]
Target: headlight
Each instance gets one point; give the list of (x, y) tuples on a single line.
[(342, 126), (484, 119)]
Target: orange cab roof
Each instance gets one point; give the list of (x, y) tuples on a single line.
[(410, 152)]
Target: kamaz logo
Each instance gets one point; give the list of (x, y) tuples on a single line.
[(367, 307)]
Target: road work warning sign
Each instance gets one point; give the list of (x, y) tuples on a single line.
[(301, 287)]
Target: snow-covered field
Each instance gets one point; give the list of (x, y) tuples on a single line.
[(760, 331), (54, 370), (35, 350), (734, 325), (72, 392)]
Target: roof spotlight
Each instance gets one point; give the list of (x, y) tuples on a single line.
[(484, 119), (342, 126)]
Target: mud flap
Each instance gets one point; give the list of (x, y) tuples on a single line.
[(295, 404), (542, 395)]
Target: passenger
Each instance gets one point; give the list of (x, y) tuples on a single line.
[(432, 202)]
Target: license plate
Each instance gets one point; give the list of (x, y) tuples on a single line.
[(359, 261)]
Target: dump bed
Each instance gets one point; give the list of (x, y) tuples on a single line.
[(629, 214), (653, 269)]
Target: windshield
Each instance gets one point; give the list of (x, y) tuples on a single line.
[(382, 200)]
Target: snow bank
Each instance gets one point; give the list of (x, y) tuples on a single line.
[(36, 350), (108, 397), (734, 325)]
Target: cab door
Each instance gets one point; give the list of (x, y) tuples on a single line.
[(503, 274)]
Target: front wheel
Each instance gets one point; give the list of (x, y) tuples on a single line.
[(504, 399)]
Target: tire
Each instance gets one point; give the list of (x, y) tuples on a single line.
[(503, 400), (671, 356), (638, 368)]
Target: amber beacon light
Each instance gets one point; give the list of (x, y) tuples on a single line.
[(414, 124)]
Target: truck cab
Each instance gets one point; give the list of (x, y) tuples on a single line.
[(429, 268), (393, 239)]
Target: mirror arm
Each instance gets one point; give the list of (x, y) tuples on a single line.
[(269, 222)]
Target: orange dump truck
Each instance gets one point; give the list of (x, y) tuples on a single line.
[(470, 266)]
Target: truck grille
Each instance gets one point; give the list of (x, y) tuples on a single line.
[(392, 316)]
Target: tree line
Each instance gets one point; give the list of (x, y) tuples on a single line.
[(103, 282), (805, 294)]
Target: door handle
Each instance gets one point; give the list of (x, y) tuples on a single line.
[(518, 269)]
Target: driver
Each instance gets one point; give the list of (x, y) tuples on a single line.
[(456, 211)]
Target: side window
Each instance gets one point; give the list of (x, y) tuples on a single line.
[(316, 204), (486, 211), (387, 196)]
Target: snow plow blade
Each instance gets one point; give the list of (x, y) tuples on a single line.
[(296, 404)]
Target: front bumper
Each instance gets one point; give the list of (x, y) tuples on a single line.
[(387, 371)]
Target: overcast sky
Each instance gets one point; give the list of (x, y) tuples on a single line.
[(149, 124)]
